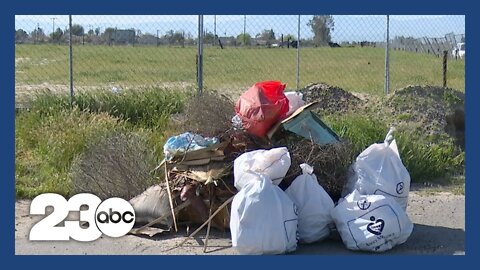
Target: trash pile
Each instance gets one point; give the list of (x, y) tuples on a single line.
[(269, 179)]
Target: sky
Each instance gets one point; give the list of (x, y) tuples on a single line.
[(347, 27)]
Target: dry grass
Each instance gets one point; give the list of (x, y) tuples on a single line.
[(330, 163), (119, 165), (208, 115)]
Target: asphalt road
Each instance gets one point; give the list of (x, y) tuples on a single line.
[(439, 229)]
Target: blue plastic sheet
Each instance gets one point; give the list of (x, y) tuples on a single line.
[(186, 142)]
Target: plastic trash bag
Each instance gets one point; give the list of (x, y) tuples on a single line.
[(263, 219), (186, 142), (273, 163), (371, 222), (295, 101), (379, 170), (261, 106), (314, 206), (237, 122)]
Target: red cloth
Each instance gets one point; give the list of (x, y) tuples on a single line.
[(263, 105)]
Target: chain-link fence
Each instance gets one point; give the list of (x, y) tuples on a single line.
[(348, 51)]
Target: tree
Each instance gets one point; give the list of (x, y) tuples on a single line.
[(57, 35), (268, 35), (77, 30), (289, 37), (109, 31), (38, 35), (97, 31), (20, 36), (321, 26), (208, 38), (176, 37), (108, 35), (244, 40)]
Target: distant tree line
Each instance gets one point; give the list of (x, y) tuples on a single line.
[(321, 26)]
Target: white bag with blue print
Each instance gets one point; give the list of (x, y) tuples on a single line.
[(371, 222), (378, 170)]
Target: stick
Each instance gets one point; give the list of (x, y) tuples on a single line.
[(209, 223), (206, 222), (170, 199), (177, 209), (159, 165)]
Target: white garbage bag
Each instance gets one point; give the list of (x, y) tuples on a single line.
[(295, 101), (379, 170), (371, 222), (314, 206), (263, 219), (273, 163)]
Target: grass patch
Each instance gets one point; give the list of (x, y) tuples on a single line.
[(51, 134), (45, 146), (425, 160), (231, 69), (149, 107)]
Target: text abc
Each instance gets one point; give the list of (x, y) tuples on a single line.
[(113, 217)]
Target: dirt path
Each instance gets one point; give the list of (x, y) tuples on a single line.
[(439, 229)]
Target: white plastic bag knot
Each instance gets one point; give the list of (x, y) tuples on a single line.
[(306, 169)]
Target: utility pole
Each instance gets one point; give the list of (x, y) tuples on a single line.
[(36, 34), (53, 25)]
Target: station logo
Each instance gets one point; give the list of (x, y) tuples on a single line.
[(113, 217)]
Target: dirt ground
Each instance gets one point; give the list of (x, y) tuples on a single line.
[(439, 229)]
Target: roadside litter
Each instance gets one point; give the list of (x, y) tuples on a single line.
[(274, 163), (379, 170), (186, 142), (371, 222), (306, 124), (262, 106), (314, 206), (295, 101), (263, 219), (273, 177)]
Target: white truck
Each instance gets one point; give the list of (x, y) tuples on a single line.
[(459, 51)]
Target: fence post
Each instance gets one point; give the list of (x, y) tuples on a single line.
[(200, 55), (244, 29), (298, 53), (70, 57), (445, 56), (214, 30), (387, 58)]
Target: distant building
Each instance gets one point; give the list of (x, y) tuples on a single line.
[(228, 41), (124, 36), (148, 39)]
